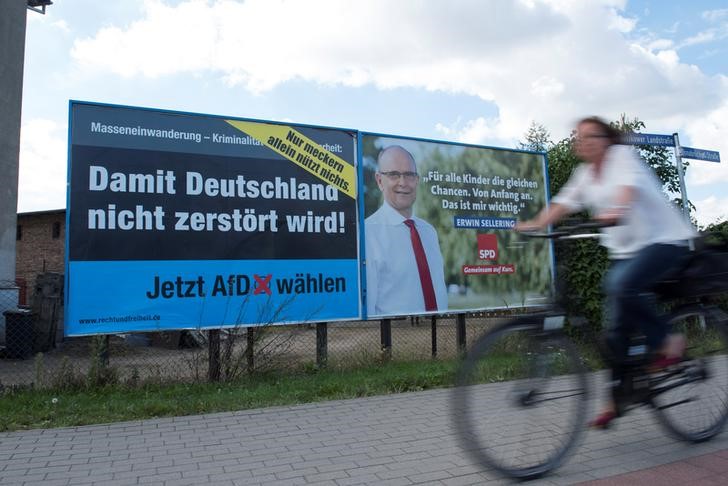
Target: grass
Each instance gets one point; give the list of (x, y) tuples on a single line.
[(30, 409), (82, 404), (61, 405)]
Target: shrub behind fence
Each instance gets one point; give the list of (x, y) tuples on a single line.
[(226, 354)]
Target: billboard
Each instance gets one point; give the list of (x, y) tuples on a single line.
[(191, 221), (179, 221), (463, 202)]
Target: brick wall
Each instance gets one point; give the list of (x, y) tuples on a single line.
[(39, 248)]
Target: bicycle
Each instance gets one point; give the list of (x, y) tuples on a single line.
[(542, 403)]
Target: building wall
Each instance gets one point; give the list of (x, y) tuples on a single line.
[(39, 250)]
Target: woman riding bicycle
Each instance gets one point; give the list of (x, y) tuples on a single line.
[(648, 240)]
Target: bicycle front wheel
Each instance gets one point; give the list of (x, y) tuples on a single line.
[(520, 401), (691, 400)]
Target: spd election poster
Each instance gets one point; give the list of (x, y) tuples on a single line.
[(464, 201), (179, 221)]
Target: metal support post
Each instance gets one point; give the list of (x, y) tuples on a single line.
[(386, 338), (461, 339), (322, 355), (433, 326)]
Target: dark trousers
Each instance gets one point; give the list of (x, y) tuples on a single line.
[(629, 301)]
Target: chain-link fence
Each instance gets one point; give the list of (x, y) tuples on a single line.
[(35, 354)]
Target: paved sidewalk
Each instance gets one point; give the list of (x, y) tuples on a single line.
[(706, 470), (389, 440)]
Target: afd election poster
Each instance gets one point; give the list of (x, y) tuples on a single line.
[(179, 221), (464, 201)]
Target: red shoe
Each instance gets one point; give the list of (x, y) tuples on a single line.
[(662, 362), (604, 420)]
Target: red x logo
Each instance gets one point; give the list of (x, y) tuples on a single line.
[(261, 284)]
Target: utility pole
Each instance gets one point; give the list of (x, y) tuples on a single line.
[(681, 177), (12, 59), (12, 38)]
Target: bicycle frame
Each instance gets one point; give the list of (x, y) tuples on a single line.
[(554, 316), (542, 398)]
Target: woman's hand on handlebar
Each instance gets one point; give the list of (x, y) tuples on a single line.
[(611, 216), (528, 226), (548, 215)]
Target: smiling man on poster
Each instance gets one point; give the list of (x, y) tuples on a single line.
[(404, 263)]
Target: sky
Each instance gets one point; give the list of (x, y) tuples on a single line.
[(472, 71)]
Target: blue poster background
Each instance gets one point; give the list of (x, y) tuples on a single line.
[(209, 293)]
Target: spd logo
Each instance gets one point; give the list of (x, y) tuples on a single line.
[(487, 247)]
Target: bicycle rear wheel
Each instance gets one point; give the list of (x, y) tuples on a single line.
[(520, 401), (691, 401)]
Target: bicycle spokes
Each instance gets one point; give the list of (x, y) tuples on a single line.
[(540, 409), (691, 398)]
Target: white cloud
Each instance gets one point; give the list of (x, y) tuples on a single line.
[(704, 37), (42, 173), (551, 60), (167, 41), (715, 33), (709, 132), (660, 44), (621, 24), (263, 43), (673, 29), (715, 15), (711, 210), (478, 131), (62, 25)]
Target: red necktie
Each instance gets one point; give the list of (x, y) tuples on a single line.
[(428, 292)]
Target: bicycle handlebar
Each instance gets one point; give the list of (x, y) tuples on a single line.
[(570, 232)]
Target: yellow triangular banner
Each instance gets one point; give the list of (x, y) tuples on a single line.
[(303, 152)]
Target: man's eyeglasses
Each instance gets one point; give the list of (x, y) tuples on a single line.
[(394, 175)]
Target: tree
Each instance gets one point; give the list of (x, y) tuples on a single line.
[(717, 233), (538, 138)]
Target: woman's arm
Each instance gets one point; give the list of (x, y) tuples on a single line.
[(548, 215), (622, 203)]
